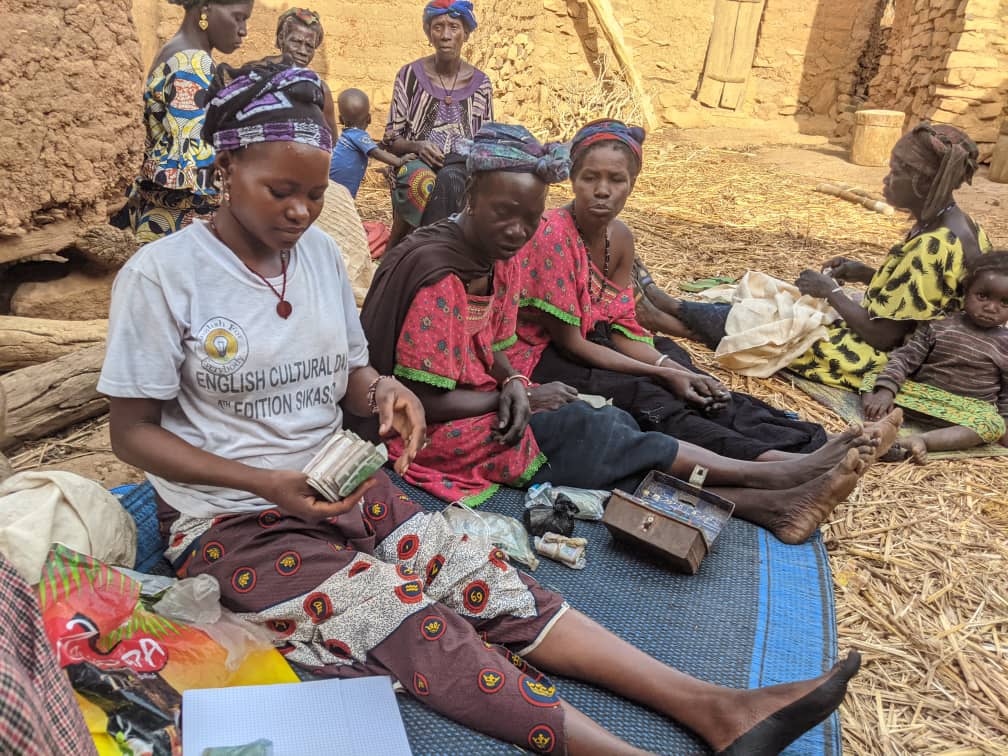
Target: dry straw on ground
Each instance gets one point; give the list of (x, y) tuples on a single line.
[(919, 555)]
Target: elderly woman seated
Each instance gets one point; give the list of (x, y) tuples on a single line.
[(436, 101)]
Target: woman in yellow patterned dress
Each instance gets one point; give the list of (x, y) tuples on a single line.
[(919, 280), (176, 182)]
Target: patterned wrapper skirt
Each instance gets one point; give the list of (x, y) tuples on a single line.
[(389, 589), (154, 211), (414, 183), (979, 416)]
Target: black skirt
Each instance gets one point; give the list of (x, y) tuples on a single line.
[(745, 429)]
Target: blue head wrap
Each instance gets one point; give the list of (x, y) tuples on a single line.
[(503, 147), (461, 9)]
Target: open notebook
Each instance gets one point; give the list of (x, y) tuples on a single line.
[(357, 717)]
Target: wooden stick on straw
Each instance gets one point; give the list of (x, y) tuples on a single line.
[(856, 197)]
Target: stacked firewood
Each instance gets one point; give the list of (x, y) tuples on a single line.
[(54, 295)]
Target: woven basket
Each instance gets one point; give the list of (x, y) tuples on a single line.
[(342, 222)]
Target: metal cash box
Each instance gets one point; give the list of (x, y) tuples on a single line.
[(672, 520)]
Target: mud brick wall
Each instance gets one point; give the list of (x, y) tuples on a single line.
[(69, 103), (947, 61)]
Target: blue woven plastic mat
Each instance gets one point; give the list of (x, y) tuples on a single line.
[(757, 613)]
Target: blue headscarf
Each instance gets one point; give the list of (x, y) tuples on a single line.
[(461, 9), (504, 147)]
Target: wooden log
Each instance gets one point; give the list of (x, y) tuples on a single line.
[(52, 238), (44, 399), (30, 341), (5, 466), (875, 134), (613, 32), (106, 246), (857, 196)]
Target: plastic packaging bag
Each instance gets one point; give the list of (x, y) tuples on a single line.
[(555, 518), (494, 528), (590, 503), (128, 665)]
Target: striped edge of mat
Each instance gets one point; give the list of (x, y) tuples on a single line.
[(794, 582)]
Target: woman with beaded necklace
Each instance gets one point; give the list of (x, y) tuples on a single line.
[(919, 280)]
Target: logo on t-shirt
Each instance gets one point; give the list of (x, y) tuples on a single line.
[(222, 346)]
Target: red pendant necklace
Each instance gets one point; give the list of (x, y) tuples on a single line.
[(283, 308)]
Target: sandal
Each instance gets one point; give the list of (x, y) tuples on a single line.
[(702, 284), (641, 279)]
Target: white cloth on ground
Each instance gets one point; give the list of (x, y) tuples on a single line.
[(38, 509), (771, 324)]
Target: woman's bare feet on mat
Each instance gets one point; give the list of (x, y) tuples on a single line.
[(809, 504), (765, 720), (885, 431)]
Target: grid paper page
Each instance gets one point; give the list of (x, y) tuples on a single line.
[(357, 717)]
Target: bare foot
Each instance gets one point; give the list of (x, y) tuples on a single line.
[(885, 431), (809, 504), (834, 450), (773, 717)]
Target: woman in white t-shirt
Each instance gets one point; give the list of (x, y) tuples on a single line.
[(231, 346)]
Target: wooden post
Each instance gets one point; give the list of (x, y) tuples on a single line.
[(613, 33), (730, 53), (875, 134)]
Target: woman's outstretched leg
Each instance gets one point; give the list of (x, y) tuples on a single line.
[(751, 722), (793, 514)]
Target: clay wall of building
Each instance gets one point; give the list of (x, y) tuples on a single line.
[(947, 60), (69, 103)]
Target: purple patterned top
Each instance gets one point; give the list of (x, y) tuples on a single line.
[(419, 111)]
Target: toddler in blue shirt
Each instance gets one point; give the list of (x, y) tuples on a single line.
[(353, 148)]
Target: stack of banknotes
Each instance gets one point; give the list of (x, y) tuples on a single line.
[(344, 463)]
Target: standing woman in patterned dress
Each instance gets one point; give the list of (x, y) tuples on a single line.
[(176, 181), (436, 101)]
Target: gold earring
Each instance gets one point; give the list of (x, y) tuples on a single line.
[(204, 23)]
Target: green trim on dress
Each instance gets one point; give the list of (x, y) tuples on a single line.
[(502, 345), (633, 336), (520, 482), (551, 309), (422, 376)]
